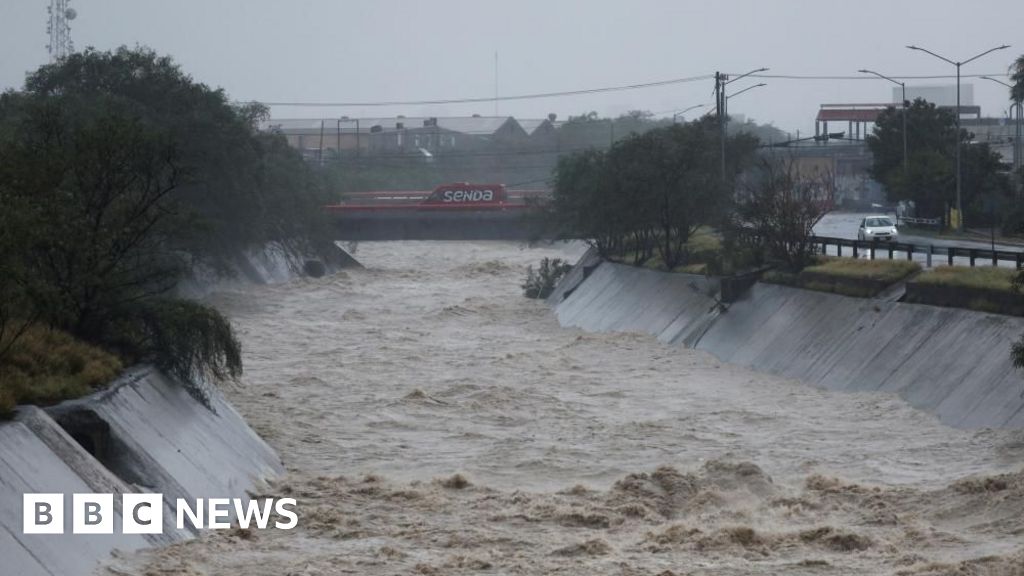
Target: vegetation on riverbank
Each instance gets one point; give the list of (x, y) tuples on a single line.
[(846, 276), (45, 366), (701, 252), (646, 196), (540, 282), (982, 288), (119, 173)]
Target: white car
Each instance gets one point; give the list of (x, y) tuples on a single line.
[(877, 228)]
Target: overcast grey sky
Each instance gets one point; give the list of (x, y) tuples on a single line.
[(349, 51)]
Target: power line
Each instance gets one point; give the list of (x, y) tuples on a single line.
[(501, 98), (659, 83), (862, 77)]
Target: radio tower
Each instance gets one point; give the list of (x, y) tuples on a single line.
[(59, 29)]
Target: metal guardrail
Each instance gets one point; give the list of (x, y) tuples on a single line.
[(918, 221), (872, 247)]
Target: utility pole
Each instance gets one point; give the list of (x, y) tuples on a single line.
[(720, 112), (722, 105), (320, 151)]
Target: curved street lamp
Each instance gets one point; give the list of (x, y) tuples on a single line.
[(1017, 105), (959, 201), (903, 86), (721, 104), (685, 110), (745, 89)]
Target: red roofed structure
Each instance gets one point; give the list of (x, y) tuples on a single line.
[(856, 116), (859, 116)]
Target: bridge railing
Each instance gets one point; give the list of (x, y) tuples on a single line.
[(929, 252)]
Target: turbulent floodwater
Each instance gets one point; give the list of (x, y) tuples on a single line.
[(434, 421)]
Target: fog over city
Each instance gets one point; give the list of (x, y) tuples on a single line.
[(345, 51)]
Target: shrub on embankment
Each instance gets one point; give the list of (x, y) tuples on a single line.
[(45, 366), (541, 282), (117, 173), (982, 288), (847, 276), (702, 253)]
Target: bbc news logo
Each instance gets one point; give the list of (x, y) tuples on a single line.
[(144, 513)]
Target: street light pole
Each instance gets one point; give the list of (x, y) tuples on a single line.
[(722, 101), (903, 105), (685, 110), (744, 90), (1015, 114), (959, 198)]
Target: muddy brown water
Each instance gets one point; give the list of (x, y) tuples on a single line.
[(433, 421)]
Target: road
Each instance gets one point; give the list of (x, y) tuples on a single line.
[(844, 225)]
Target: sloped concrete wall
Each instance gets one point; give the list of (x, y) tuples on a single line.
[(953, 363), (166, 441), (270, 264), (30, 464), (151, 436), (586, 264), (621, 298)]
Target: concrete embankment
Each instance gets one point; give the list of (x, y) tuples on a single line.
[(272, 263), (950, 362), (145, 433)]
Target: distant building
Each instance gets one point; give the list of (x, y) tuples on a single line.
[(399, 134), (944, 96), (854, 120), (848, 157)]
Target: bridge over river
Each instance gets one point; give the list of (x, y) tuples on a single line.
[(458, 211)]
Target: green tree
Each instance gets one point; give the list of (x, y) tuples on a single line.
[(1017, 95), (930, 178), (584, 203), (778, 209), (95, 190), (246, 187), (650, 191), (1017, 76), (929, 181)]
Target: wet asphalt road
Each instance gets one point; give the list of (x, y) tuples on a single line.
[(844, 225)]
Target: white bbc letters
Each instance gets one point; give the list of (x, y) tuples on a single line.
[(92, 514), (142, 514), (43, 513)]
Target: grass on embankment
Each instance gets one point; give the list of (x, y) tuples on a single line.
[(46, 366), (982, 288), (978, 277), (847, 276)]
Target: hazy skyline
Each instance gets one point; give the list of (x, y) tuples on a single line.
[(324, 51)]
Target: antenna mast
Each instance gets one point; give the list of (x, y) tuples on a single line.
[(59, 29)]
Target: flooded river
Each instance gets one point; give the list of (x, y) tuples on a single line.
[(434, 421)]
